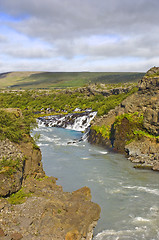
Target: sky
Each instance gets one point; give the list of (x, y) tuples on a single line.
[(79, 35)]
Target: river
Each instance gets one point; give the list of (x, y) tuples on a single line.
[(129, 198)]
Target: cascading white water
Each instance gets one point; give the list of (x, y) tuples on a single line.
[(74, 121), (82, 122)]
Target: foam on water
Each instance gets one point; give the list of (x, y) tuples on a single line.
[(113, 191), (43, 144), (80, 122), (119, 235), (103, 152), (46, 138), (140, 219), (144, 189)]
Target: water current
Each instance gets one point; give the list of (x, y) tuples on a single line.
[(129, 198)]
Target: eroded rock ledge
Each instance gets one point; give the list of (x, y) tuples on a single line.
[(23, 161), (142, 148), (49, 213), (40, 209)]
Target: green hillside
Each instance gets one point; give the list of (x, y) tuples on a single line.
[(34, 80)]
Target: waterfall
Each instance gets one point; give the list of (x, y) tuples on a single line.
[(73, 121)]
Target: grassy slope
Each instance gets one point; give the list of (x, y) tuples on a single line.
[(33, 80), (13, 78)]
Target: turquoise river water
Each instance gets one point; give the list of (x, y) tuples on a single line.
[(129, 198)]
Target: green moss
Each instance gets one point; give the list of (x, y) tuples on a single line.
[(10, 166), (41, 179), (129, 141), (103, 130), (141, 133), (128, 126), (135, 118), (135, 129), (35, 146), (59, 211), (18, 197)]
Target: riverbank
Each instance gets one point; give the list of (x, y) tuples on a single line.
[(32, 206), (41, 210), (115, 185), (133, 126)]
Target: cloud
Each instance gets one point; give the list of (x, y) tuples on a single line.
[(95, 30), (3, 39), (17, 45), (52, 19)]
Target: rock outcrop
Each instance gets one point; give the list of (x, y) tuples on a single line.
[(141, 143), (32, 206), (151, 80), (101, 89), (20, 160), (11, 173), (49, 213)]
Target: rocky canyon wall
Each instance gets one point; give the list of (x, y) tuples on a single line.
[(134, 124)]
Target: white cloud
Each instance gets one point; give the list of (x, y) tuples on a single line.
[(79, 35)]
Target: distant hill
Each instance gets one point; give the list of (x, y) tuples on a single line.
[(40, 80)]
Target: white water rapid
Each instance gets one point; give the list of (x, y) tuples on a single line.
[(73, 121)]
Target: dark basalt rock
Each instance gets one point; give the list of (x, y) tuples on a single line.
[(145, 102), (29, 163)]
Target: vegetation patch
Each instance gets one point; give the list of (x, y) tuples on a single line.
[(42, 179), (141, 133), (126, 128), (37, 102), (134, 129), (43, 80), (10, 166), (135, 118), (104, 130), (154, 72), (125, 125), (16, 128), (18, 197)]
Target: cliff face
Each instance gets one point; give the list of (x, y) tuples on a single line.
[(39, 209), (20, 160), (134, 125), (151, 80)]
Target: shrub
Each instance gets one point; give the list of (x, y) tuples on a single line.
[(15, 128)]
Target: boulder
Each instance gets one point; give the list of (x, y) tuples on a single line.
[(150, 80)]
